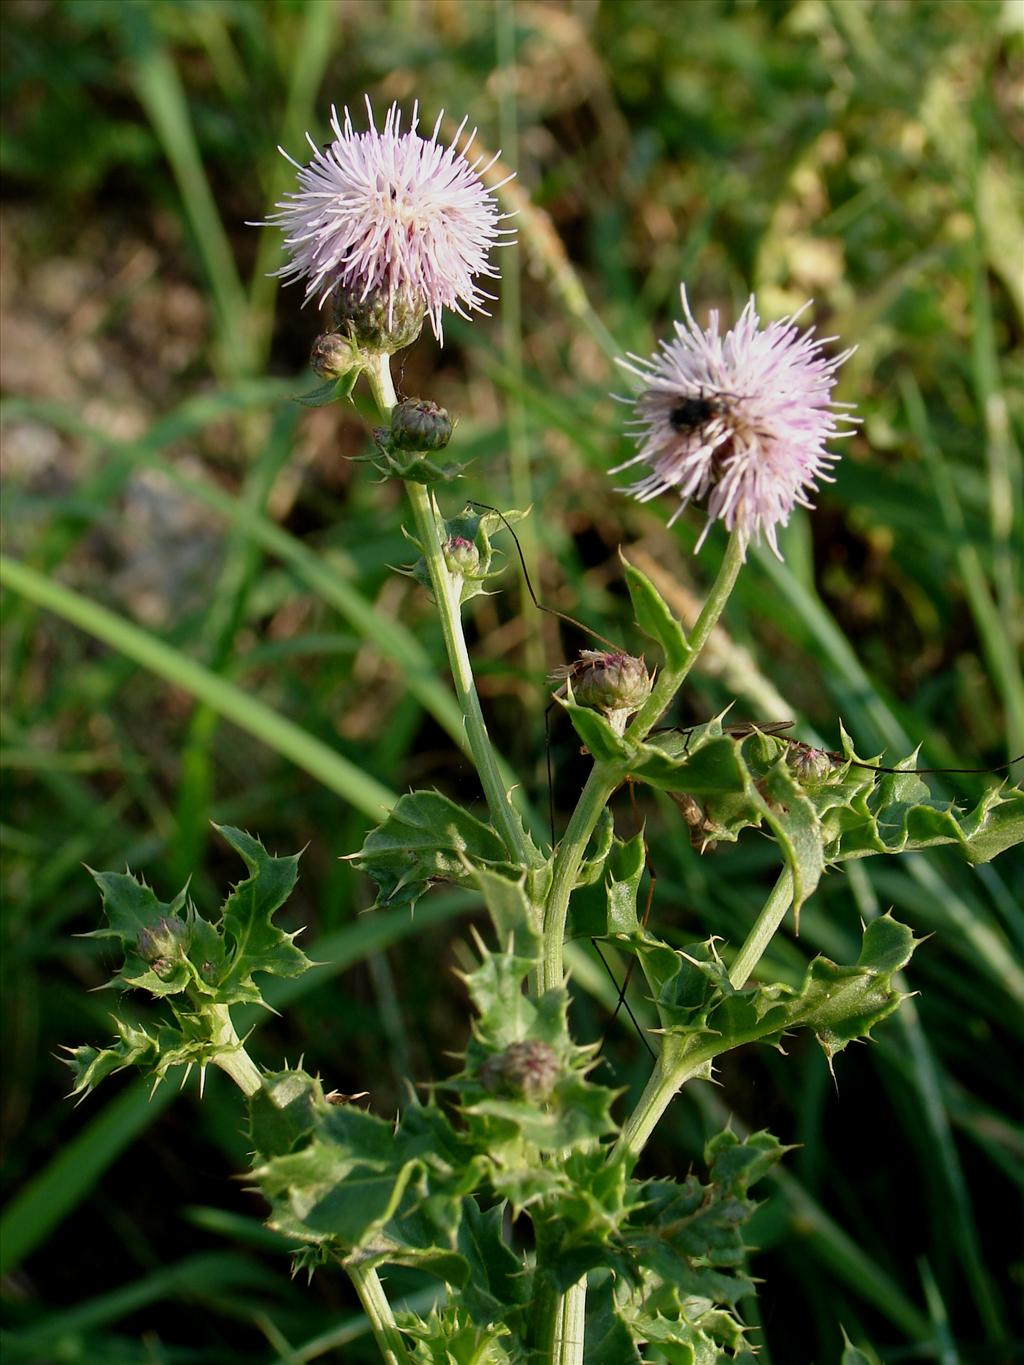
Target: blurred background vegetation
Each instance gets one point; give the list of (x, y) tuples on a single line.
[(238, 640)]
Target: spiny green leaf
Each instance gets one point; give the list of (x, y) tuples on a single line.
[(496, 989), (185, 1043), (517, 920), (796, 827), (453, 1335), (391, 1194), (576, 1114), (426, 838), (708, 765), (252, 942), (609, 1340), (498, 1280), (597, 850), (284, 1111), (198, 967), (839, 1003), (603, 743)]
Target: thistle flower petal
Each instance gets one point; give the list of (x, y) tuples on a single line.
[(394, 216), (741, 420)]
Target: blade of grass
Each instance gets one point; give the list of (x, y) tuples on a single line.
[(325, 578), (276, 731), (160, 91), (995, 630), (510, 313), (70, 1176), (240, 564)]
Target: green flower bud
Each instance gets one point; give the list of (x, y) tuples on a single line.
[(530, 1070), (378, 321), (610, 682), (461, 556), (419, 424), (809, 765), (527, 1071), (162, 943), (332, 356)]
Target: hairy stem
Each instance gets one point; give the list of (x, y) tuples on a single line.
[(378, 1310), (446, 588), (559, 1323)]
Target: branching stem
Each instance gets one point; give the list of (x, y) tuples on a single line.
[(235, 1061), (683, 1058), (604, 778)]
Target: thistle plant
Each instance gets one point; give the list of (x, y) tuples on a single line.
[(513, 1183)]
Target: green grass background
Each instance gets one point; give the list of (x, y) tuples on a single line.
[(202, 624)]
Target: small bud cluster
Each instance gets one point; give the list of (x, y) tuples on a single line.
[(468, 553), (527, 1070), (333, 356)]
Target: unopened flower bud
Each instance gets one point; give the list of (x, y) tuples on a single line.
[(610, 682), (377, 321), (162, 942), (526, 1070), (332, 356), (809, 765), (419, 424), (461, 556)]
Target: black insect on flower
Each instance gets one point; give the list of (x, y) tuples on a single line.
[(690, 414)]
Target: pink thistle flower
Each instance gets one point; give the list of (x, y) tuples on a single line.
[(392, 215), (741, 419)]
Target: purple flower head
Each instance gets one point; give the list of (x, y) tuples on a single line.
[(741, 419), (392, 216)]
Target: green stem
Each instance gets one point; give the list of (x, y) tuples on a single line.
[(559, 1322), (236, 1062), (670, 680), (604, 778), (446, 588), (378, 1310), (671, 1072), (574, 1325), (765, 926)]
